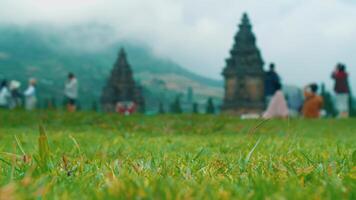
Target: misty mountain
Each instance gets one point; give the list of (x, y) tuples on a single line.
[(48, 54)]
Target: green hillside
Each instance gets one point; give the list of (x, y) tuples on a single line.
[(50, 54)]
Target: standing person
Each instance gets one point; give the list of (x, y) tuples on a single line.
[(277, 108), (342, 90), (4, 95), (16, 96), (313, 103), (71, 92), (30, 95), (271, 82)]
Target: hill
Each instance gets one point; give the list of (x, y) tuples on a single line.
[(90, 52)]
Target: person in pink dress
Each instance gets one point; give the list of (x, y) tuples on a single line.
[(277, 108)]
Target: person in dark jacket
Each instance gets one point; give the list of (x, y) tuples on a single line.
[(272, 81), (342, 90)]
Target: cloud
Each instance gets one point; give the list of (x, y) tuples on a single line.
[(306, 38)]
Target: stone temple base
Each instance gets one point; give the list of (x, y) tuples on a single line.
[(241, 112), (243, 109)]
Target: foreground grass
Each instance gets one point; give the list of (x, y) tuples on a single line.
[(96, 156)]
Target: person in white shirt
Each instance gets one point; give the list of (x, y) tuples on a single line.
[(71, 92), (30, 95), (4, 95)]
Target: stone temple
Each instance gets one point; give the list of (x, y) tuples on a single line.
[(244, 74), (121, 86)]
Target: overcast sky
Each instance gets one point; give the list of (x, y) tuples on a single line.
[(305, 38)]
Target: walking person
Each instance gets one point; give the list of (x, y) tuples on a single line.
[(30, 95), (313, 103), (277, 108), (71, 92), (272, 81), (342, 90), (4, 95)]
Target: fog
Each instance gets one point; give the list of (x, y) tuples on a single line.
[(305, 38)]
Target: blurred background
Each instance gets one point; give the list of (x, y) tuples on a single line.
[(175, 47)]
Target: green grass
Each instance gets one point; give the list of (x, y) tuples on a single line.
[(97, 156)]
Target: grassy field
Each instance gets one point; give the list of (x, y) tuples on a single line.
[(96, 156)]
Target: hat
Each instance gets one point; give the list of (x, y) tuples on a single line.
[(14, 85)]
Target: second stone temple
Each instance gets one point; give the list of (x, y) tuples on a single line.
[(244, 74), (121, 87)]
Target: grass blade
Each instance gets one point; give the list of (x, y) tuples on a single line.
[(198, 154), (19, 145), (248, 157), (76, 144), (43, 148)]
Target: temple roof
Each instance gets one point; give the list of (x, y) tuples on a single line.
[(245, 56), (121, 84)]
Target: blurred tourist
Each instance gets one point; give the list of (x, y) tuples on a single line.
[(271, 82), (126, 108), (313, 103), (295, 101), (4, 95), (71, 92), (342, 90), (30, 95), (277, 107), (16, 96)]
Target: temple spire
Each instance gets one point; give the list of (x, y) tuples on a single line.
[(245, 22), (122, 59), (122, 52)]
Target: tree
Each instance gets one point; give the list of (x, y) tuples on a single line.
[(54, 103), (190, 95), (210, 108), (328, 102), (161, 108), (195, 108), (176, 107), (94, 106)]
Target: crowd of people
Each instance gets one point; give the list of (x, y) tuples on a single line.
[(11, 97), (310, 105)]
